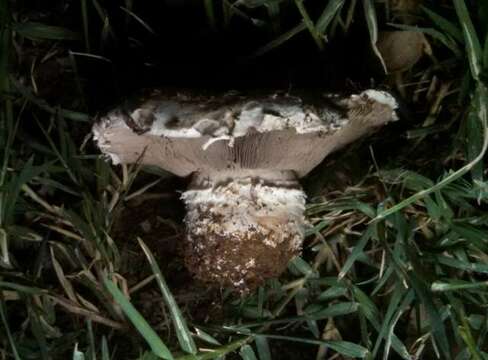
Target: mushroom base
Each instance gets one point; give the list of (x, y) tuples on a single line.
[(244, 231)]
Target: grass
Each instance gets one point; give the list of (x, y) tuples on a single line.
[(394, 265)]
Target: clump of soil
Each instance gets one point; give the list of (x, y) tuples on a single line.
[(243, 263)]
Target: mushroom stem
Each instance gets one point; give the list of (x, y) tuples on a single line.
[(243, 230)]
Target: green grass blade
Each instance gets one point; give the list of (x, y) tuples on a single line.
[(437, 326), (37, 330), (256, 3), (84, 18), (273, 9), (202, 335), (105, 350), (342, 347), (332, 8), (310, 25), (372, 313), (474, 143), (455, 285), (78, 355), (20, 288), (34, 30), (280, 40), (154, 341), (481, 268), (182, 332), (356, 253), (444, 24), (247, 353), (262, 346), (209, 10), (371, 21), (7, 329), (138, 19), (92, 355), (473, 46)]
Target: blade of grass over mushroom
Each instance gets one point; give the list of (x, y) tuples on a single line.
[(156, 344), (480, 104), (473, 46), (182, 332)]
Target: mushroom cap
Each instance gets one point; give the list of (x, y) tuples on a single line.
[(401, 50), (186, 135)]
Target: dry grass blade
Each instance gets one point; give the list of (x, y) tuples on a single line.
[(76, 309)]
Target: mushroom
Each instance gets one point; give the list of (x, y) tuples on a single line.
[(245, 207)]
